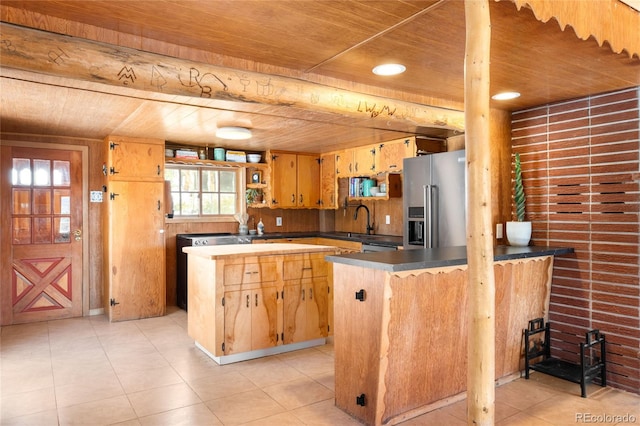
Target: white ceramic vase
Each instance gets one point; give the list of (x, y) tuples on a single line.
[(519, 233)]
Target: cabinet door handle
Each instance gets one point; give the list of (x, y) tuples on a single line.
[(158, 169), (256, 299), (159, 205), (300, 198), (247, 300), (310, 294), (293, 198), (113, 171), (303, 294)]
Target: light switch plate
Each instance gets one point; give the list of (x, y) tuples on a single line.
[(499, 231), (387, 219), (278, 221), (96, 196)]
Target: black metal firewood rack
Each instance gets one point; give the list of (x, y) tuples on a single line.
[(592, 356)]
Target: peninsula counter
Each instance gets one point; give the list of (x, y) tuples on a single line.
[(400, 331)]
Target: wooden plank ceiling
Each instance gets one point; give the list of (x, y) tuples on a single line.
[(334, 43)]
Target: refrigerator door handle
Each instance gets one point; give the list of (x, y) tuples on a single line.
[(428, 240)]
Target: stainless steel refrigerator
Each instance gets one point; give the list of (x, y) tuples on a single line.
[(434, 200)]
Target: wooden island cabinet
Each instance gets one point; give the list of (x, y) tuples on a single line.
[(248, 301)]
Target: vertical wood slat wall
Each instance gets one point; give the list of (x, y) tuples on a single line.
[(581, 171)]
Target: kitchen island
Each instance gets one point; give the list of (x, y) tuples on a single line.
[(400, 331), (247, 301)]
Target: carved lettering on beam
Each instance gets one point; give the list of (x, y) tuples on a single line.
[(32, 50)]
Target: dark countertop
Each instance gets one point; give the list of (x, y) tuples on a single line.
[(407, 260), (379, 240)]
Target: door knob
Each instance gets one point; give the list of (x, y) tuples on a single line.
[(77, 234)]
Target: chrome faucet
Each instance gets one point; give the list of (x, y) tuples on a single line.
[(355, 217)]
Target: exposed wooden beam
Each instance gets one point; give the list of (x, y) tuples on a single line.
[(69, 57), (481, 284)]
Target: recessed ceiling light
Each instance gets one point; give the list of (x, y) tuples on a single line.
[(505, 96), (233, 133), (389, 69)]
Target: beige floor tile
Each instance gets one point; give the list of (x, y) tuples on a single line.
[(313, 364), (522, 394), (24, 374), (165, 398), (436, 417), (566, 409), (523, 418), (221, 386), (102, 327), (198, 368), (128, 363), (282, 419), (326, 379), (92, 387), (102, 412), (26, 403), (324, 413), (244, 407), (70, 328), (617, 402), (70, 345), (271, 373), (135, 381), (42, 418), (194, 415), (298, 393), (78, 369)]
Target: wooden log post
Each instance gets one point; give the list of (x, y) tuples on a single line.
[(481, 284)]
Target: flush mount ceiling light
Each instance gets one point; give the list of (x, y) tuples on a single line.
[(389, 69), (234, 133), (505, 96)]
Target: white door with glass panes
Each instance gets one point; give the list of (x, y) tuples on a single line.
[(203, 191), (41, 234)]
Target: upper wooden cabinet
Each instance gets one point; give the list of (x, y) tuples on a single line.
[(389, 155), (295, 180), (134, 159), (328, 192), (364, 161)]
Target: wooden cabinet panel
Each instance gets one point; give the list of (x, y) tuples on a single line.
[(305, 309), (133, 230), (308, 266), (251, 320), (246, 273), (390, 154), (295, 180), (364, 161), (328, 192), (344, 163), (308, 181), (140, 160), (237, 321), (284, 188)]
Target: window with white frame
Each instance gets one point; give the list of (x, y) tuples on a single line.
[(203, 191)]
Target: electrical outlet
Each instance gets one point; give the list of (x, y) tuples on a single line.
[(499, 231), (278, 221), (387, 219)]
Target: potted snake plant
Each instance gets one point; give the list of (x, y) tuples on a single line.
[(519, 231)]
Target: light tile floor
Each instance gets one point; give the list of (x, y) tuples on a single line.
[(87, 371)]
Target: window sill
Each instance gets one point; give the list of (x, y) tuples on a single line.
[(224, 219)]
